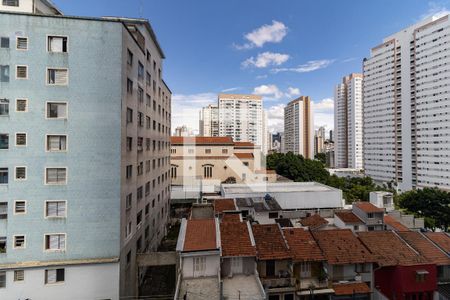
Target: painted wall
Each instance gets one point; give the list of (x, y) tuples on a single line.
[(81, 282), (212, 266)]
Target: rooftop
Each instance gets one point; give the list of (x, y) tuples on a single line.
[(389, 249), (341, 246), (314, 221), (348, 217), (242, 287), (240, 96), (243, 144), (244, 155), (270, 242), (200, 235), (302, 245), (200, 288), (201, 140), (341, 289), (368, 207), (230, 217), (396, 225), (236, 240), (260, 204), (221, 205), (441, 239), (277, 187), (425, 247)]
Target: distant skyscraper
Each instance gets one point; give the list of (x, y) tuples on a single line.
[(241, 117), (299, 127), (319, 139), (331, 135), (209, 120), (348, 120), (406, 107), (182, 131)]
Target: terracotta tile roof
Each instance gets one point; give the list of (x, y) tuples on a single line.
[(389, 249), (396, 225), (231, 218), (200, 235), (348, 217), (235, 240), (201, 140), (302, 245), (441, 239), (341, 289), (244, 155), (368, 207), (243, 144), (220, 205), (314, 221), (341, 246), (270, 243), (425, 247)]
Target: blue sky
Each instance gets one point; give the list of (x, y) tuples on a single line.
[(279, 49)]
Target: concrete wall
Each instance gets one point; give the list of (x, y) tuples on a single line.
[(212, 265), (99, 281)]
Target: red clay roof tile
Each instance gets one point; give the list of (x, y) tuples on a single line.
[(302, 245), (441, 239), (235, 239), (368, 207), (270, 242), (394, 224), (244, 155), (220, 205), (200, 235), (341, 289), (314, 221), (231, 218), (425, 247), (348, 217)]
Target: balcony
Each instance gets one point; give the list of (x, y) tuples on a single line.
[(276, 282), (308, 283)]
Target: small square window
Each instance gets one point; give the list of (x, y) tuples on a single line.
[(54, 276), (21, 105), (55, 209), (22, 43), (21, 173), (4, 107), (2, 277), (20, 207), (4, 42), (57, 44), (4, 73), (19, 242), (57, 77), (56, 110), (4, 141), (14, 3), (21, 139), (55, 242), (56, 143), (19, 275), (56, 176), (22, 72)]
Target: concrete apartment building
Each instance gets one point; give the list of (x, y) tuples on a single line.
[(212, 160), (241, 117), (81, 131), (319, 140), (406, 119), (348, 122), (209, 120), (299, 127)]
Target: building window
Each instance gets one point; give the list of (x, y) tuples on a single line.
[(129, 86), (129, 115), (140, 193), (140, 143), (3, 273), (21, 105), (11, 3), (57, 44), (54, 276), (129, 58), (56, 143), (56, 110), (173, 171), (21, 173), (3, 212), (19, 242), (4, 141), (21, 139), (139, 218), (20, 207), (55, 242), (4, 73), (56, 175), (208, 151), (140, 119), (19, 275), (55, 209), (21, 72), (129, 143), (370, 215), (140, 95), (207, 171), (224, 151), (199, 264), (57, 77), (245, 163), (3, 175), (190, 151), (4, 42), (4, 107), (22, 43), (140, 71), (129, 171), (273, 215)]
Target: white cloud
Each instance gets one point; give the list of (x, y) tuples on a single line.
[(266, 59), (261, 77), (310, 66), (231, 89), (292, 92), (275, 116), (324, 113), (324, 106), (435, 10), (270, 91), (325, 120), (269, 33), (186, 108)]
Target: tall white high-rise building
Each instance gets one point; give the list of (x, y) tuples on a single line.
[(299, 127), (319, 140), (348, 122), (209, 120), (406, 107), (241, 117)]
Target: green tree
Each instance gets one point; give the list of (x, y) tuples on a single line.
[(322, 157), (432, 204)]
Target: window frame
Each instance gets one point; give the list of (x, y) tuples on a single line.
[(56, 151), (56, 277), (15, 213), (45, 175), (46, 216), (17, 278), (24, 241), (55, 250), (57, 36), (27, 71), (26, 139), (26, 105), (56, 102), (17, 42), (15, 173), (56, 68)]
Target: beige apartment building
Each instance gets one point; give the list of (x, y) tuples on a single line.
[(213, 160)]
